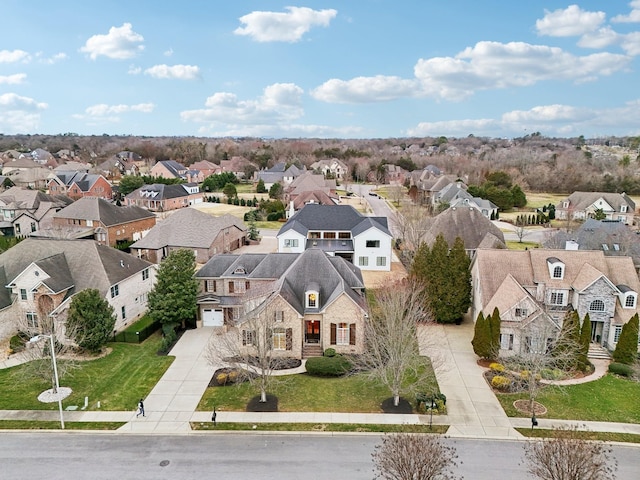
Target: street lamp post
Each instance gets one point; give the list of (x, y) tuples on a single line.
[(55, 372)]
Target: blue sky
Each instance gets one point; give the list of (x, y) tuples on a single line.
[(343, 69)]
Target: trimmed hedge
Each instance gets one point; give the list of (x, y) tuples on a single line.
[(621, 369), (328, 366)]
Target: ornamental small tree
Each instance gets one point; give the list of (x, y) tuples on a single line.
[(627, 348), (260, 188), (481, 338), (230, 190), (585, 339), (90, 320)]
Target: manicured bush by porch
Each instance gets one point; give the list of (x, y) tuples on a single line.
[(328, 366)]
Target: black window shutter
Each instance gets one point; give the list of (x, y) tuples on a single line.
[(289, 337), (352, 334), (244, 337), (333, 334)]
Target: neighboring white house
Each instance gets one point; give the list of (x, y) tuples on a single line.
[(339, 230)]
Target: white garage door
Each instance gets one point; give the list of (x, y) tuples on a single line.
[(212, 317)]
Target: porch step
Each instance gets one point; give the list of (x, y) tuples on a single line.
[(598, 352), (311, 350)]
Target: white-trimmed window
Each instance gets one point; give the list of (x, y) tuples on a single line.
[(557, 272), (312, 299), (89, 223), (623, 209), (617, 330), (279, 316), (373, 244), (32, 319), (556, 298), (596, 306), (381, 261), (363, 261), (291, 242), (123, 311), (506, 341), (210, 286), (342, 334), (521, 312), (145, 274), (23, 294), (279, 339), (115, 291), (630, 300)]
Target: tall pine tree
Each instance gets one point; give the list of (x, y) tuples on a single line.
[(494, 332), (481, 337), (627, 348), (585, 339)]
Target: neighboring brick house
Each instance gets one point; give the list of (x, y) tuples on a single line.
[(122, 163), (78, 184), (237, 165), (24, 212), (206, 167), (40, 277), (162, 198), (313, 301), (583, 205), (192, 229), (103, 221), (535, 289), (172, 169), (339, 230), (333, 168)]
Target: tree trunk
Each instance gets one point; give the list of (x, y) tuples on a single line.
[(263, 396), (396, 399)]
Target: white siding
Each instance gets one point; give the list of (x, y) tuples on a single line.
[(360, 249)]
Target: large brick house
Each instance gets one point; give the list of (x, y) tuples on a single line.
[(204, 234), (314, 301), (40, 277), (536, 288), (78, 184), (162, 198), (103, 221)]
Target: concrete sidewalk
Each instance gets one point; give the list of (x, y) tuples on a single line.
[(473, 410)]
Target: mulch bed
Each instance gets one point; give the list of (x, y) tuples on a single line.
[(403, 407), (255, 405), (523, 406)]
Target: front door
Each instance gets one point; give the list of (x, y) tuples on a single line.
[(596, 332), (312, 331)]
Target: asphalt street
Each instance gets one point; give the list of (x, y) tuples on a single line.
[(228, 456)]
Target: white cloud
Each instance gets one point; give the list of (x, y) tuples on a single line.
[(601, 38), (283, 27), (485, 66), (283, 131), (120, 43), (456, 128), (133, 70), (560, 120), (12, 56), (179, 72), (19, 114), (102, 109), (58, 57), (280, 104), (365, 89), (14, 79), (570, 22), (633, 17), (631, 43), (168, 53)]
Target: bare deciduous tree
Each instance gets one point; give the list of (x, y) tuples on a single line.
[(412, 222), (392, 351), (414, 457), (256, 345), (567, 456), (396, 193)]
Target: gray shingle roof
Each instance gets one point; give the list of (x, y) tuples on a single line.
[(189, 228), (333, 217), (99, 209), (464, 222), (90, 265)]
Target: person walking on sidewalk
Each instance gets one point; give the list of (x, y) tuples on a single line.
[(140, 408)]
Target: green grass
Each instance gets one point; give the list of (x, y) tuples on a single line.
[(305, 393), (609, 399), (319, 427), (269, 225), (601, 436), (117, 380), (141, 324), (49, 425), (516, 245), (539, 200)]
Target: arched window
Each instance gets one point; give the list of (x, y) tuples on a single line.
[(557, 272), (630, 301), (596, 306)]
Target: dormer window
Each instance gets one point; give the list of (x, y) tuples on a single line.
[(556, 268), (312, 300), (623, 209), (240, 271), (630, 300)]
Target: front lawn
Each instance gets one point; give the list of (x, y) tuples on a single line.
[(609, 399), (117, 380), (306, 393)]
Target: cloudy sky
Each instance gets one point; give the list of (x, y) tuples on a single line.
[(340, 68)]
